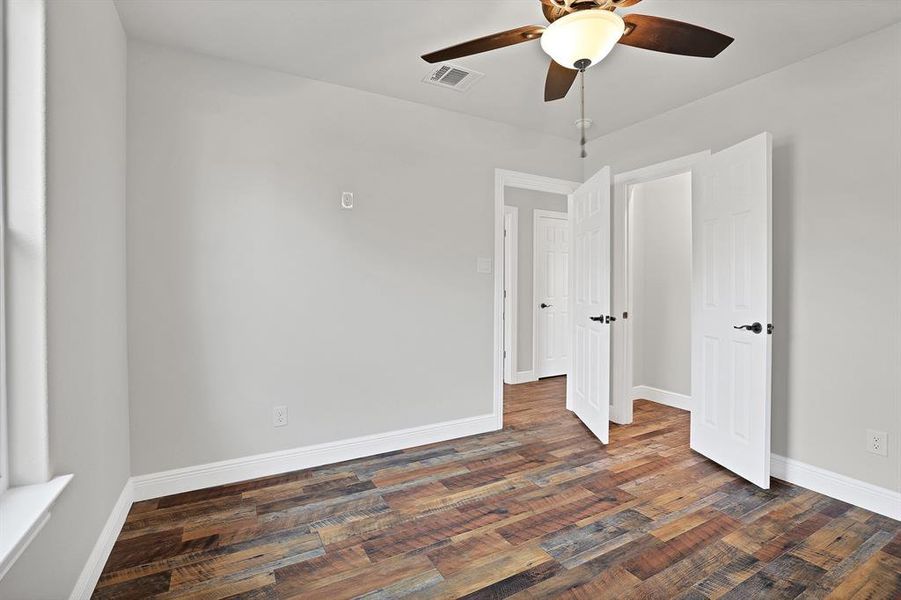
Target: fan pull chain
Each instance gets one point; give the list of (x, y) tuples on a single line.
[(583, 154)]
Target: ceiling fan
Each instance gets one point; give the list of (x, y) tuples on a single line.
[(582, 32)]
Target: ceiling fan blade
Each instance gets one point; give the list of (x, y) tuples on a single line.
[(559, 80), (484, 44), (674, 37)]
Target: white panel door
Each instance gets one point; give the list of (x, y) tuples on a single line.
[(588, 383), (551, 297), (731, 308)]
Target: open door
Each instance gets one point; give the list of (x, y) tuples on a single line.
[(588, 383), (731, 308)]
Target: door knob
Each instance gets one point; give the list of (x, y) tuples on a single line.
[(543, 305), (754, 327), (597, 318)]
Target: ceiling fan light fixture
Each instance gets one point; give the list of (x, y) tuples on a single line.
[(582, 38)]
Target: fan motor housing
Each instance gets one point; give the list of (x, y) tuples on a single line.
[(554, 9)]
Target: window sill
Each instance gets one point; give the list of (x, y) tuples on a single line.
[(23, 512)]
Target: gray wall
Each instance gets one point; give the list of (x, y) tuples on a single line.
[(835, 120), (527, 201), (661, 284), (249, 287), (88, 383)]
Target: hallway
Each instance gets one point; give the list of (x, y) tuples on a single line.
[(537, 510)]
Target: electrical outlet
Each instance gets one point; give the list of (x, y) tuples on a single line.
[(877, 442), (279, 416)]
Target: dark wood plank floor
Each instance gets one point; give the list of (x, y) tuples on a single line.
[(538, 510)]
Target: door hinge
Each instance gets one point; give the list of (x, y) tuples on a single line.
[(505, 293), (505, 354)]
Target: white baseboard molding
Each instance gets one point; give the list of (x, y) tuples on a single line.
[(676, 400), (90, 574), (853, 491), (524, 377), (198, 477)]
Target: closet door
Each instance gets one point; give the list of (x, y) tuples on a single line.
[(732, 308)]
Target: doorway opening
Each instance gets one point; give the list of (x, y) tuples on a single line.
[(532, 281), (651, 272), (657, 326)]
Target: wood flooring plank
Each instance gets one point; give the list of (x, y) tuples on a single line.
[(372, 577), (485, 572), (878, 577), (292, 579), (134, 589), (459, 555), (666, 554)]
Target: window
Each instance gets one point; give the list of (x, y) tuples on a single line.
[(26, 489)]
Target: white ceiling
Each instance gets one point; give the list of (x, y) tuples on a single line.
[(375, 45)]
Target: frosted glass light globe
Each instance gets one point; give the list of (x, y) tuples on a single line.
[(582, 35)]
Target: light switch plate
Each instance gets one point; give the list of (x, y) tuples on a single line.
[(347, 200), (483, 265)]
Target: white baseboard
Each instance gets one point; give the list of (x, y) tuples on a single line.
[(90, 574), (524, 377), (198, 477), (853, 491), (646, 392)]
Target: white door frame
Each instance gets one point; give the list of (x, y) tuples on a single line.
[(511, 298), (621, 355), (553, 214), (514, 179)]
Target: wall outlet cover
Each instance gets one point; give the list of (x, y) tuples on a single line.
[(877, 442), (279, 416), (347, 200)]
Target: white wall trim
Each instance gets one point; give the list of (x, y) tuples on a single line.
[(853, 491), (90, 574), (524, 376), (503, 179), (187, 479), (674, 399)]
